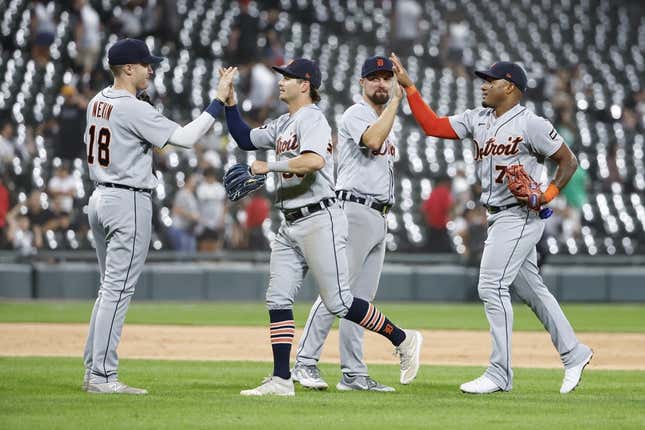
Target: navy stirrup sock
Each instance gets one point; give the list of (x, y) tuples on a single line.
[(367, 315), (282, 330)]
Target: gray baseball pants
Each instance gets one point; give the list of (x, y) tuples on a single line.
[(120, 220), (365, 254), (509, 258)]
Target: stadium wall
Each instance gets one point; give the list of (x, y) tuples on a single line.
[(239, 281)]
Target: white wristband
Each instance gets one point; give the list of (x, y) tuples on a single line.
[(278, 166)]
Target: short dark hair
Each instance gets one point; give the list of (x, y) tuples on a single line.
[(313, 92), (116, 70)]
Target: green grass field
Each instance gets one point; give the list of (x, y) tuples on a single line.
[(42, 392), (584, 317), (45, 393)]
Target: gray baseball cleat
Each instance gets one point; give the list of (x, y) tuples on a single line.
[(308, 377), (115, 387), (361, 383), (409, 352)]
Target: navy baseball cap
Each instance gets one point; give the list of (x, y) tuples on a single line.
[(131, 51), (302, 68), (376, 64), (505, 70)]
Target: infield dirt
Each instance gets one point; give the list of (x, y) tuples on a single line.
[(441, 347)]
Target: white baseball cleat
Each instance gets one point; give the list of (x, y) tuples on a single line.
[(408, 353), (481, 385), (308, 377), (272, 386), (114, 387), (573, 375)]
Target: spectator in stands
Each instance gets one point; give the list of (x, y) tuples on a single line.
[(405, 26), (566, 127), (257, 210), (62, 188), (60, 221), (19, 233), (437, 210), (457, 42), (185, 217), (211, 198), (68, 143), (130, 21), (4, 209), (7, 144), (87, 35), (43, 29), (273, 43), (262, 94), (475, 234), (40, 217), (243, 41), (575, 194)]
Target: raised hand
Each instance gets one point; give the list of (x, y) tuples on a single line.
[(225, 88), (400, 72), (397, 92)]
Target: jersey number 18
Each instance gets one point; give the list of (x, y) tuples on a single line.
[(104, 137)]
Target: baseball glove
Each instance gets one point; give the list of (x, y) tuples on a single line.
[(239, 181), (523, 187)]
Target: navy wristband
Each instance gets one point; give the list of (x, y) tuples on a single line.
[(215, 108)]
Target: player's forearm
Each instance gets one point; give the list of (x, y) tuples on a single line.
[(376, 134), (566, 168), (301, 165), (430, 122), (188, 135), (567, 165), (240, 130)]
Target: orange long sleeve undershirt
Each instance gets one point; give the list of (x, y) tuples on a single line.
[(431, 124)]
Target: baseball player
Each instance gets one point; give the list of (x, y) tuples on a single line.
[(365, 186), (504, 134), (120, 134), (313, 235)]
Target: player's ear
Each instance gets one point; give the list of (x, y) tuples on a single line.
[(305, 88)]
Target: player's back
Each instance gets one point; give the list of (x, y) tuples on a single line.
[(120, 132)]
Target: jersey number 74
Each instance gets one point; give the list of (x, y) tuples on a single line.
[(104, 136)]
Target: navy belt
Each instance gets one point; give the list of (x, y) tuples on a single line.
[(292, 215), (383, 208), (125, 187), (495, 209)]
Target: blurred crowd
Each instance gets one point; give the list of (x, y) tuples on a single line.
[(195, 215)]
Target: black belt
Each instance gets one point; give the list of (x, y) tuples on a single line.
[(495, 209), (383, 208), (125, 187), (292, 215)]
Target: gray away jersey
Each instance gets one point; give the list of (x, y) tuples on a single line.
[(361, 170), (517, 137), (307, 130), (120, 132)]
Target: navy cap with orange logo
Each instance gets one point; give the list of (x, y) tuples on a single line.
[(505, 70), (301, 68), (131, 51), (376, 64)]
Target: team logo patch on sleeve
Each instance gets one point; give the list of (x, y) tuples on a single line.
[(553, 134)]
